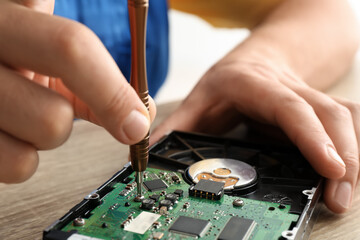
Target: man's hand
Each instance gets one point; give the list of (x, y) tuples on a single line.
[(51, 68), (321, 127), (302, 45)]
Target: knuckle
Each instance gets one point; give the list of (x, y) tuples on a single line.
[(70, 41), (351, 161), (117, 101), (337, 110), (57, 124), (288, 102), (354, 108)]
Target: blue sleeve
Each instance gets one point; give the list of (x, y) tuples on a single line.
[(110, 21)]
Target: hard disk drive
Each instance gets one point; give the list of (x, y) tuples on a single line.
[(202, 187)]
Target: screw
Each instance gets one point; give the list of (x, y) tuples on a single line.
[(79, 222)]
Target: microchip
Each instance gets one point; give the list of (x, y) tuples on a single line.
[(207, 189), (190, 226), (166, 203), (155, 185), (237, 229), (179, 192), (171, 197), (155, 197), (147, 204), (153, 176)]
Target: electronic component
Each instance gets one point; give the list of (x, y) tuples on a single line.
[(142, 222), (172, 197), (186, 205), (175, 178), (166, 203), (158, 235), (207, 189), (130, 186), (155, 197), (179, 192), (270, 211), (163, 210), (124, 192), (190, 226), (155, 185), (153, 176), (157, 224), (104, 225), (147, 204), (237, 229)]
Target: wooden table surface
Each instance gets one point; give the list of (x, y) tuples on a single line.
[(82, 164)]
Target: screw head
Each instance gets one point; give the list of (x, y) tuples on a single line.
[(238, 202), (79, 222)]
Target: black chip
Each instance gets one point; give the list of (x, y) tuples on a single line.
[(155, 197), (179, 192), (190, 226), (175, 178), (171, 197), (166, 203), (207, 189), (237, 229), (155, 185), (147, 204)]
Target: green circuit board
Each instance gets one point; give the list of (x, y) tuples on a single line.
[(118, 214)]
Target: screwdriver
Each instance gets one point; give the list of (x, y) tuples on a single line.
[(139, 152)]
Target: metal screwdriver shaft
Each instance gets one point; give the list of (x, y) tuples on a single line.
[(139, 152)]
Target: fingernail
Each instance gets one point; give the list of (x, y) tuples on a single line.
[(135, 126), (335, 156), (343, 194)]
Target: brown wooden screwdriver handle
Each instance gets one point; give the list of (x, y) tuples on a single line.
[(138, 10)]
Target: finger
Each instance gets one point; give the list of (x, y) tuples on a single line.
[(300, 123), (339, 123), (339, 193), (354, 108), (33, 113), (282, 107), (18, 160), (81, 109), (152, 109), (72, 52)]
